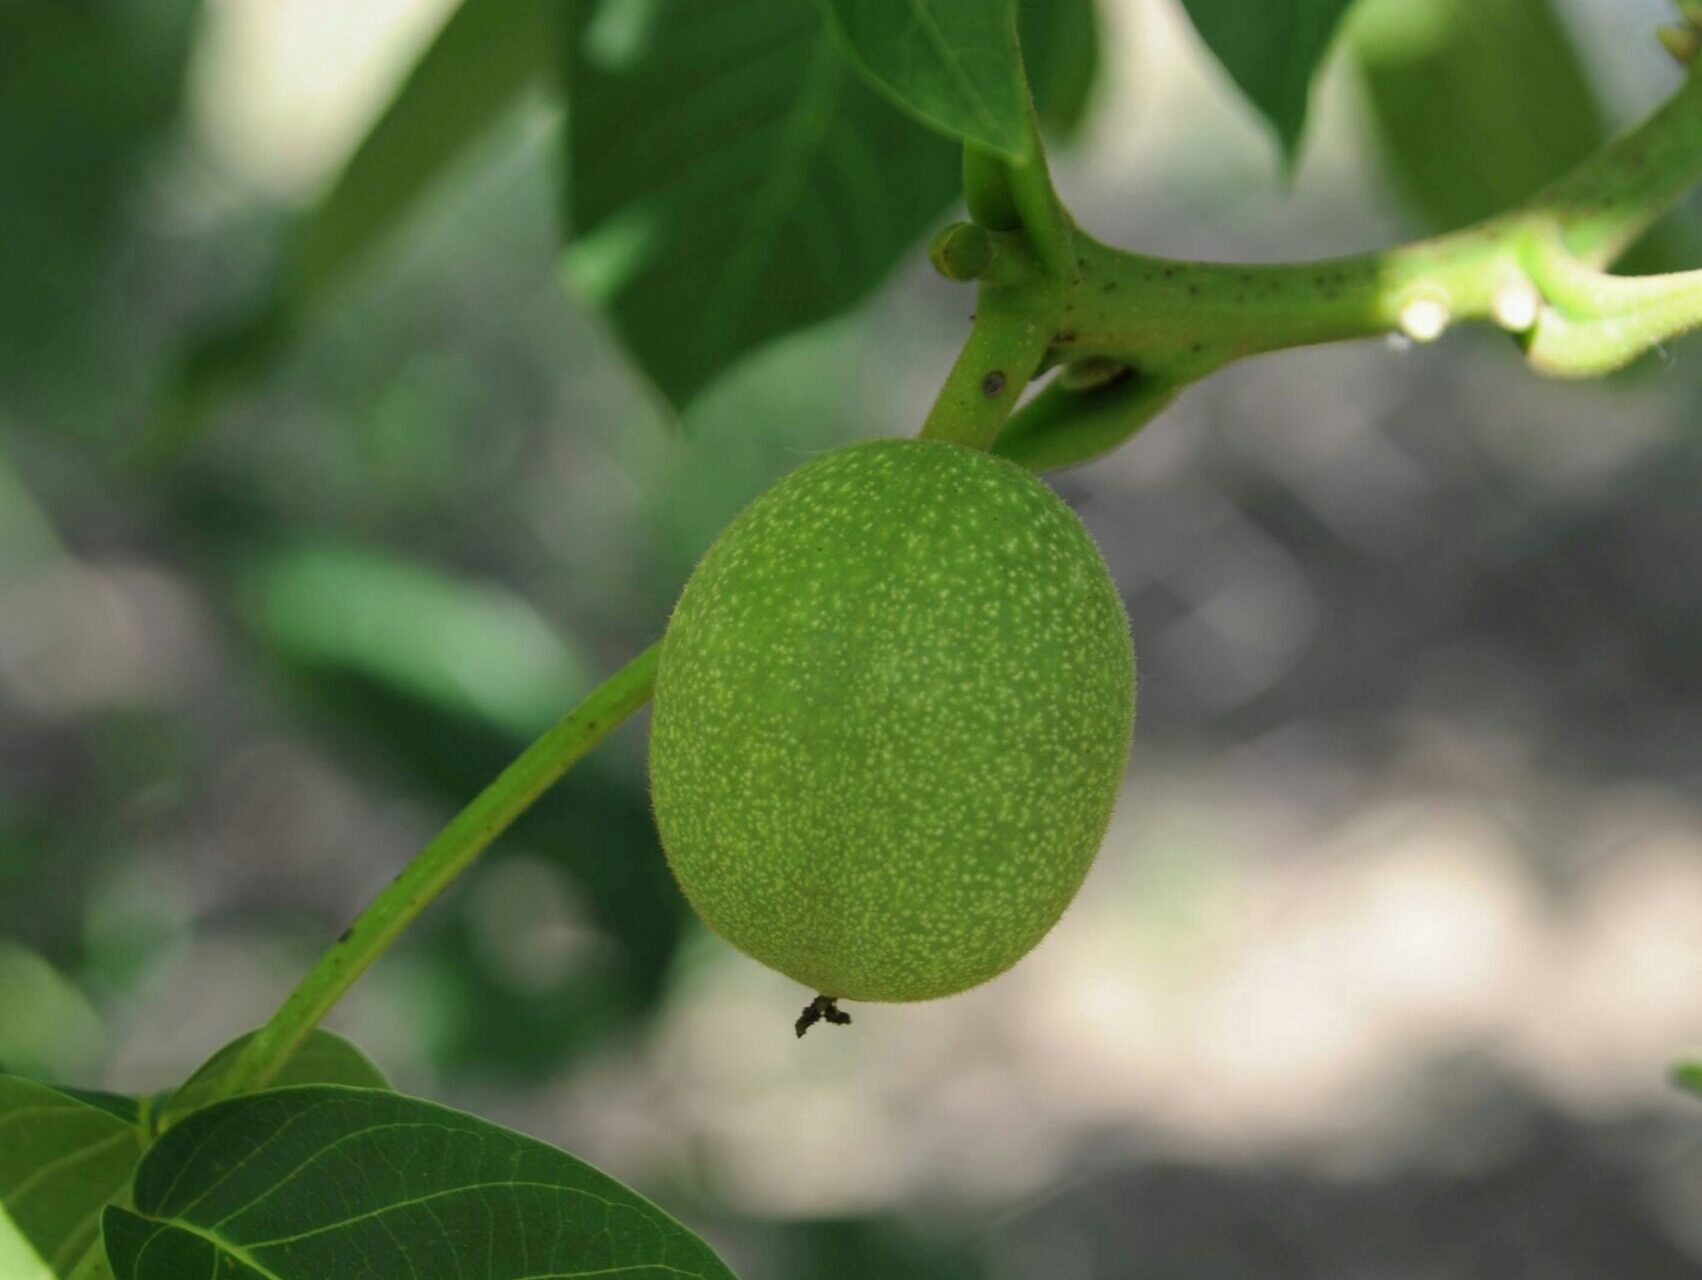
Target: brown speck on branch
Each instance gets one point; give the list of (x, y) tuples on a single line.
[(993, 383), (822, 1009)]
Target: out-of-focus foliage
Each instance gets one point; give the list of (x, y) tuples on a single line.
[(487, 55), (1061, 53), (1272, 50), (88, 93), (469, 649), (1476, 103)]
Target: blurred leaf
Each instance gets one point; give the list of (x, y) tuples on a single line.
[(1272, 50), (953, 64), (474, 649), (48, 1028), (61, 1160), (1467, 127), (321, 1181), (487, 55), (857, 1249), (1465, 135), (1060, 47), (87, 93), (1688, 1075), (324, 1058), (597, 834), (733, 180)]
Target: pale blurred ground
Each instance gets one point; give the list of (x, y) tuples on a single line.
[(1400, 918)]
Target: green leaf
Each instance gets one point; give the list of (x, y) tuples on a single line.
[(324, 1058), (486, 56), (323, 1183), (733, 180), (1272, 50), (953, 64), (61, 1161), (1060, 47), (1462, 133), (48, 1028), (474, 649), (126, 1107), (1688, 1075)]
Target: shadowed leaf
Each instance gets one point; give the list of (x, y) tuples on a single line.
[(733, 179), (1272, 50), (953, 64), (328, 1183), (324, 1058), (61, 1161)]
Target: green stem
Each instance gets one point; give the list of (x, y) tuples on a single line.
[(436, 866), (1004, 350), (1044, 219), (1064, 425), (1615, 195), (987, 190)]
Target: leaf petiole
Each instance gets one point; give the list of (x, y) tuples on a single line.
[(433, 869)]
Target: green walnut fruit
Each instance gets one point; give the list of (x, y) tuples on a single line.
[(893, 708)]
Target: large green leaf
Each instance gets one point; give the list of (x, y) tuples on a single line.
[(486, 55), (1466, 130), (733, 180), (324, 1058), (1272, 50), (323, 1183), (61, 1161), (952, 63)]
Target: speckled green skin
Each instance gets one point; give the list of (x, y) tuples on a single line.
[(892, 712)]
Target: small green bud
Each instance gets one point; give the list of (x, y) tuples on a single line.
[(962, 251)]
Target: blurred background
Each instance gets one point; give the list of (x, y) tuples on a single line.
[(1398, 927)]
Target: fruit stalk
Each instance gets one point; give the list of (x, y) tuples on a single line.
[(436, 866)]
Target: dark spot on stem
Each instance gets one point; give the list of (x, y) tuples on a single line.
[(991, 385), (345, 934), (821, 1009)]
